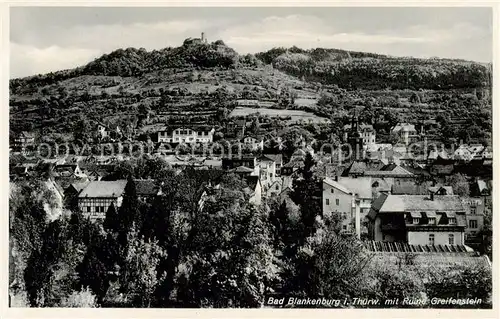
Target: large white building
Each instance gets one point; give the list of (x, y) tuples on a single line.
[(351, 199), (202, 134), (418, 219)]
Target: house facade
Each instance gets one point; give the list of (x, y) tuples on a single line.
[(407, 133), (24, 139), (365, 131), (187, 135), (95, 199), (267, 168), (255, 143), (418, 219)]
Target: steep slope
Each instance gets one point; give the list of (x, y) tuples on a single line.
[(358, 70)]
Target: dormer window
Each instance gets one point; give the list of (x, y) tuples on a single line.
[(452, 221), (416, 221), (432, 221)]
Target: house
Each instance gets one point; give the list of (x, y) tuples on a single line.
[(95, 199), (442, 167), (146, 189), (68, 170), (409, 187), (275, 188), (351, 199), (198, 134), (339, 200), (434, 154), (405, 132), (23, 140), (233, 162), (418, 219), (267, 168), (254, 190), (254, 142), (480, 188), (366, 131), (102, 130), (487, 153), (362, 189), (71, 193), (441, 190), (18, 172), (291, 168), (236, 128), (278, 160), (474, 214)]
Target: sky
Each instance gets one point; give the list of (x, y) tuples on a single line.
[(47, 39)]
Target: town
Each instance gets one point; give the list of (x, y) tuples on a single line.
[(238, 187)]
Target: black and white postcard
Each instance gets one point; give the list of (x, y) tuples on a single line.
[(316, 157)]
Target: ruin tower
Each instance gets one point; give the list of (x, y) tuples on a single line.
[(203, 39)]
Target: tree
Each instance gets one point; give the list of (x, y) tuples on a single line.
[(327, 265), (462, 282), (460, 185), (98, 262), (80, 299), (81, 130), (111, 221), (231, 265), (414, 98), (255, 126), (139, 276), (129, 211), (307, 194)]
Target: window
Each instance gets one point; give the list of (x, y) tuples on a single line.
[(337, 201), (473, 210), (277, 187), (472, 223), (452, 221), (416, 221), (375, 184), (332, 191), (432, 221), (88, 209), (431, 239), (327, 201), (451, 239), (344, 227)]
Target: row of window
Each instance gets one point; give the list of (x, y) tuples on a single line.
[(337, 201), (451, 221), (432, 221), (451, 239), (98, 209)]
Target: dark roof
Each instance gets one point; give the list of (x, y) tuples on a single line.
[(294, 164), (278, 158), (65, 168), (410, 188), (79, 186), (356, 167), (443, 161), (388, 203), (252, 181), (401, 247), (146, 187)]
